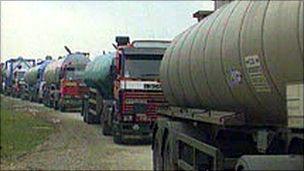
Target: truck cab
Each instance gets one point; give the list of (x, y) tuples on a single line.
[(72, 87), (19, 84), (62, 84), (137, 90), (15, 70)]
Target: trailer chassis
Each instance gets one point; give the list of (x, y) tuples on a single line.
[(195, 140)]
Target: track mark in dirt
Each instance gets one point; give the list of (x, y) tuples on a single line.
[(76, 145)]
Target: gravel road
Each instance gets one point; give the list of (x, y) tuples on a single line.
[(76, 145)]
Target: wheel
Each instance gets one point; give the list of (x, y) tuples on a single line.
[(46, 103), (40, 100), (31, 98), (82, 109), (84, 117), (61, 108), (56, 105), (169, 156), (157, 157), (106, 128), (96, 119), (50, 104), (89, 118), (118, 139)]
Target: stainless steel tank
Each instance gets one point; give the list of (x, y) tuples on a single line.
[(54, 69), (98, 74), (31, 76), (240, 58)]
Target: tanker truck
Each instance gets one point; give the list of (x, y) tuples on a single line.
[(64, 87), (2, 76), (34, 79), (125, 90), (15, 69), (234, 84)]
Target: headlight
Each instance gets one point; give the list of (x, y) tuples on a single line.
[(142, 117), (132, 101), (82, 85), (127, 118)]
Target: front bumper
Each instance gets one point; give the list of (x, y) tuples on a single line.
[(71, 102), (133, 130)]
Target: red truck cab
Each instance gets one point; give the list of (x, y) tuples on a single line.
[(137, 89), (72, 88)]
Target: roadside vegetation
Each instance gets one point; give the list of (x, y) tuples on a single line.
[(66, 143), (21, 130)]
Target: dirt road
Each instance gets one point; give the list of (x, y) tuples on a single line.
[(76, 145)]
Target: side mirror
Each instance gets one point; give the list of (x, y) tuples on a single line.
[(122, 40), (117, 63)]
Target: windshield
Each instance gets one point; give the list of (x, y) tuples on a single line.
[(19, 75), (72, 74), (142, 66)]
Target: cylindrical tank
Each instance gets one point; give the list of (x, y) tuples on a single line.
[(19, 64), (98, 74), (34, 75), (54, 69), (240, 59), (31, 76)]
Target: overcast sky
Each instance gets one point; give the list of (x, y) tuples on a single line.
[(36, 29)]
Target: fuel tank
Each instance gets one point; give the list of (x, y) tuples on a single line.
[(239, 59), (34, 75), (55, 69), (31, 75), (98, 74)]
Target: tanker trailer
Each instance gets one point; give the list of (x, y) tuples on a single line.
[(64, 87), (15, 70), (234, 82), (2, 76), (127, 90), (34, 80), (99, 105)]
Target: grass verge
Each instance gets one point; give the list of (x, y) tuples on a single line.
[(21, 132)]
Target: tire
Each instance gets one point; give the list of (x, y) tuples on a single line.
[(89, 118), (106, 128), (96, 119), (168, 156), (84, 117), (82, 109), (51, 105), (61, 108), (157, 157), (118, 139), (31, 98), (46, 103), (56, 105)]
